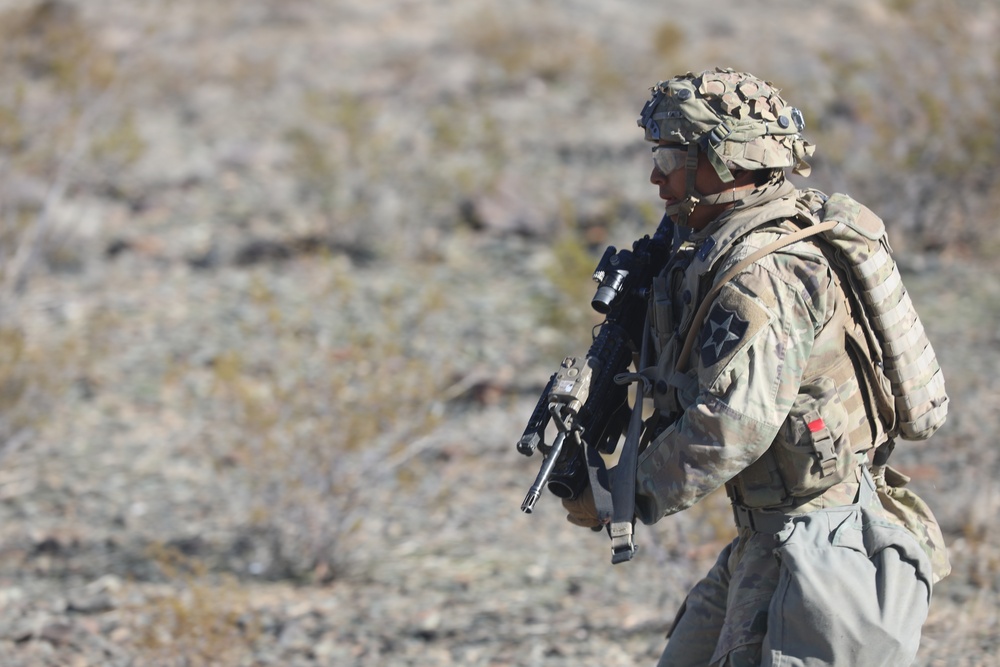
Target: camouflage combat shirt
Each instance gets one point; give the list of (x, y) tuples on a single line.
[(746, 368)]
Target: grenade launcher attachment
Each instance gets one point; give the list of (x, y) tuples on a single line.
[(588, 408)]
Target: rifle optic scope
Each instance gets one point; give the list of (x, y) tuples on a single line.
[(611, 276)]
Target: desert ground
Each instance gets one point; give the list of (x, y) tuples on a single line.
[(280, 283)]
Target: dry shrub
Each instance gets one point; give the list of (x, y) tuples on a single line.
[(522, 43), (202, 622), (23, 390), (61, 127), (48, 50), (566, 307), (668, 39), (912, 126), (341, 156), (318, 417), (50, 41), (54, 80), (521, 48)]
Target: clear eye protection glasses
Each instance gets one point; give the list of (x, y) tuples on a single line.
[(669, 159)]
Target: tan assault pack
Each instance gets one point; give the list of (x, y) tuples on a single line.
[(907, 383), (900, 353), (915, 404)]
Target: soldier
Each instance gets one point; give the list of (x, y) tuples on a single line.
[(763, 382)]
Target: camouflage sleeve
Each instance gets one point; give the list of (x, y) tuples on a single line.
[(744, 375)]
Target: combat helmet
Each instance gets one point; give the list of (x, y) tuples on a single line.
[(736, 119)]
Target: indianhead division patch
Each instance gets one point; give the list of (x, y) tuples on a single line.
[(722, 332), (734, 321)]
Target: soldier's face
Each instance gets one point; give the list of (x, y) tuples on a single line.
[(672, 185)]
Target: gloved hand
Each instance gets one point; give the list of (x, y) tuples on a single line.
[(582, 510)]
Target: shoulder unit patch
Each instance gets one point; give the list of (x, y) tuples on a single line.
[(734, 319), (723, 331)]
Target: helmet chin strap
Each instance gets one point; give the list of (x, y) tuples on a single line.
[(683, 209)]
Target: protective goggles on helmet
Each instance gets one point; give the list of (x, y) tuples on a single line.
[(669, 159)]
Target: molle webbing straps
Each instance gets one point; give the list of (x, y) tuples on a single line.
[(906, 356)]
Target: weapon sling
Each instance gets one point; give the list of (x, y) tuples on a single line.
[(621, 477)]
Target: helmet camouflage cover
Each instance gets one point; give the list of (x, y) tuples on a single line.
[(737, 119)]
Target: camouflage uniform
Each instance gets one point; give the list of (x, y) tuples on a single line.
[(772, 407)]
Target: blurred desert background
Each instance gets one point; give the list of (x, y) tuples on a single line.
[(280, 282)]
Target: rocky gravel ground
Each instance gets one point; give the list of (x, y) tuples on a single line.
[(125, 543), (282, 353)]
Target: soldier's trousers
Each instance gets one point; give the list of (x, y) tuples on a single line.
[(838, 586), (747, 569)]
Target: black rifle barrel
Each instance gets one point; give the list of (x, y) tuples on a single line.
[(543, 474)]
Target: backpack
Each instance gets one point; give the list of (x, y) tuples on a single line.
[(906, 381), (905, 386)]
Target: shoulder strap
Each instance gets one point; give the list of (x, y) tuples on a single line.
[(706, 303)]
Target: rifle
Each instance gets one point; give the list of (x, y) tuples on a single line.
[(581, 398)]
